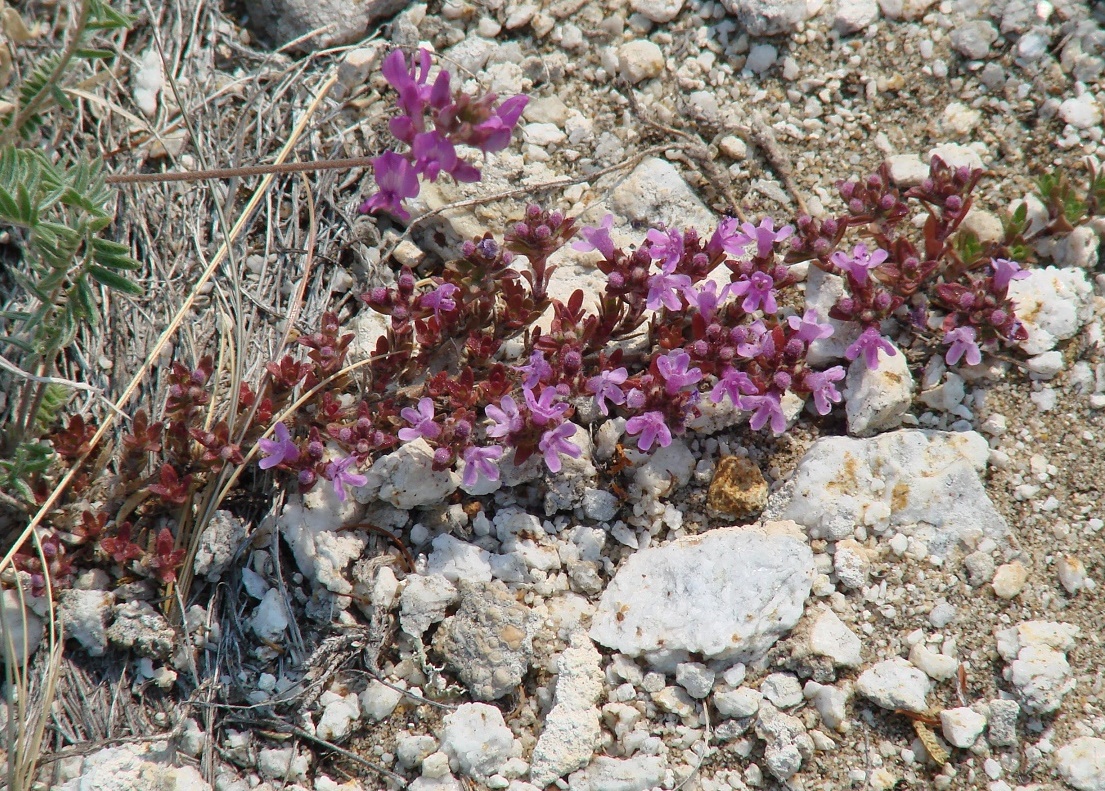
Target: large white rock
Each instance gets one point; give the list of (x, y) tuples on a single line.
[(406, 479), (339, 712), (84, 614), (726, 594), (1082, 763), (787, 741), (658, 11), (1038, 667), (923, 483), (132, 767), (655, 192), (458, 560), (822, 292), (895, 684), (639, 773), (476, 739), (962, 726), (875, 401), (424, 601), (572, 731), (1053, 304), (322, 551)]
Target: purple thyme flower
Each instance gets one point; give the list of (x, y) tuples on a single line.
[(663, 290), (597, 238), (809, 328), (868, 344), (820, 384), (860, 262), (278, 451), (635, 398), (733, 383), (1004, 271), (765, 408), (479, 461), (536, 371), (422, 421), (962, 342), (758, 291), (440, 300), (494, 134), (508, 419), (605, 388), (554, 442), (542, 408), (652, 429), (666, 247), (433, 153), (749, 339), (397, 181), (705, 298), (673, 366), (337, 471), (411, 85), (764, 236)]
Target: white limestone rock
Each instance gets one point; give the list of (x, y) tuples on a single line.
[(1038, 668), (895, 684), (1081, 763), (379, 700), (851, 16), (788, 744), (782, 690), (1053, 304), (665, 470), (220, 540), (907, 170), (84, 614), (768, 17), (655, 192), (696, 678), (957, 156), (571, 731), (831, 638), (132, 767), (822, 292), (658, 11), (830, 701), (270, 619), (726, 594), (476, 739), (923, 483), (406, 478), (933, 664), (962, 726), (284, 764), (851, 563), (457, 560), (639, 773), (875, 401), (322, 551), (423, 601), (339, 713), (640, 60), (738, 703)]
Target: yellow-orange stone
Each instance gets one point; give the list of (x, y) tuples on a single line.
[(738, 490)]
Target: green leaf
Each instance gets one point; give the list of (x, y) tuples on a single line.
[(82, 295), (114, 281), (112, 255), (95, 54)]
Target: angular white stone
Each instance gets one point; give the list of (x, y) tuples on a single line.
[(924, 483), (270, 619), (740, 702), (935, 665), (962, 726), (655, 192), (379, 700), (620, 774), (1038, 667), (895, 684), (659, 11), (1053, 304), (726, 594), (875, 401), (640, 60), (477, 739), (571, 731), (830, 637), (339, 712), (423, 601), (458, 560), (1082, 763), (405, 478)]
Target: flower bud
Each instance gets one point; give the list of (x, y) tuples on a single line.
[(468, 249), (830, 227), (307, 478), (846, 305), (442, 457), (822, 247), (882, 301), (726, 353), (782, 380), (794, 348), (953, 203), (700, 349), (463, 429), (488, 248), (713, 332), (521, 230), (887, 202), (855, 206), (533, 211), (874, 183), (616, 280), (556, 219), (573, 361), (542, 233), (315, 449), (998, 317), (345, 434), (966, 301), (635, 399), (928, 185), (847, 190), (406, 281)]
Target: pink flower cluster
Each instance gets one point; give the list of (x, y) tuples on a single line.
[(434, 121)]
